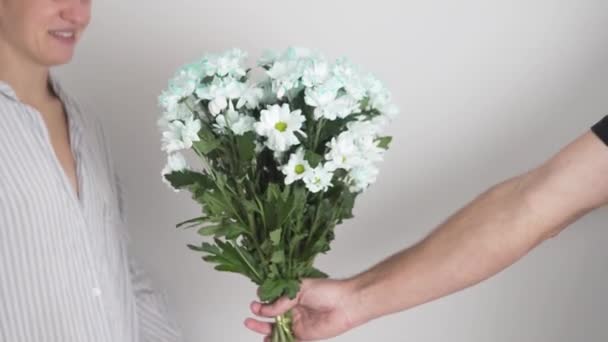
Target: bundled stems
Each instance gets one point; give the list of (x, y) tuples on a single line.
[(282, 331)]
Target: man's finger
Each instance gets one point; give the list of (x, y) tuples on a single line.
[(259, 327), (281, 306)]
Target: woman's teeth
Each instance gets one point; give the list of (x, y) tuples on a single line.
[(63, 34)]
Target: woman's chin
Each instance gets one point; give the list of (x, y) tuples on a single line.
[(57, 59)]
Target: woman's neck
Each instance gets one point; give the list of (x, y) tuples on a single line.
[(29, 81)]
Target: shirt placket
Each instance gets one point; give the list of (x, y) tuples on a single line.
[(77, 143)]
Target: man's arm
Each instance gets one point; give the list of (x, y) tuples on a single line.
[(489, 234), (492, 232)]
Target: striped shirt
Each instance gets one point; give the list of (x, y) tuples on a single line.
[(65, 273)]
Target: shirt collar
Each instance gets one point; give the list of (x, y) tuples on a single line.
[(8, 91)]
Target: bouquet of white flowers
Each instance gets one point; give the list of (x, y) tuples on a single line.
[(282, 159)]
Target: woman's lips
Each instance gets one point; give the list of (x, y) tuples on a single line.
[(64, 36)]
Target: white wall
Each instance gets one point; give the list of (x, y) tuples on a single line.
[(487, 89)]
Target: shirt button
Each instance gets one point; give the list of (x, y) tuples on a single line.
[(96, 291)]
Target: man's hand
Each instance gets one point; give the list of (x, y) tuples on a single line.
[(323, 309)]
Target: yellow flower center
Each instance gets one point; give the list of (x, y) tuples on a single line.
[(281, 126), (300, 169)]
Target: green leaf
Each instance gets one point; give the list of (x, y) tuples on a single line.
[(278, 257), (207, 143), (185, 178), (234, 230), (292, 287), (246, 146), (301, 137), (348, 205), (192, 222), (211, 249), (384, 142), (251, 206), (315, 273), (296, 239), (230, 230), (271, 290), (230, 268), (313, 159), (275, 236), (273, 192), (195, 248), (210, 230)]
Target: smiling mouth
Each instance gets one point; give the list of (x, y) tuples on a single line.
[(64, 34)]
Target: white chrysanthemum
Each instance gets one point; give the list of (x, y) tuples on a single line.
[(180, 111), (175, 162), (343, 153), (338, 108), (268, 57), (238, 123), (279, 125), (315, 73), (180, 86), (368, 149), (285, 76), (181, 135), (362, 176), (184, 82), (229, 63), (364, 127), (318, 179), (219, 92), (296, 168), (350, 77), (321, 96), (250, 98), (379, 96), (168, 100)]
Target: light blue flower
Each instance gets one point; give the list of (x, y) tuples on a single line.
[(350, 77), (184, 83), (180, 135), (219, 92), (268, 58), (229, 63), (238, 123), (315, 73), (250, 97), (341, 108), (320, 96), (285, 76), (287, 70)]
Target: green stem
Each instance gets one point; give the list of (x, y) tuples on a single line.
[(318, 133), (282, 331), (314, 224), (255, 272)]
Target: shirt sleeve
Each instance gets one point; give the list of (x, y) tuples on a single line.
[(153, 315), (601, 130)]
